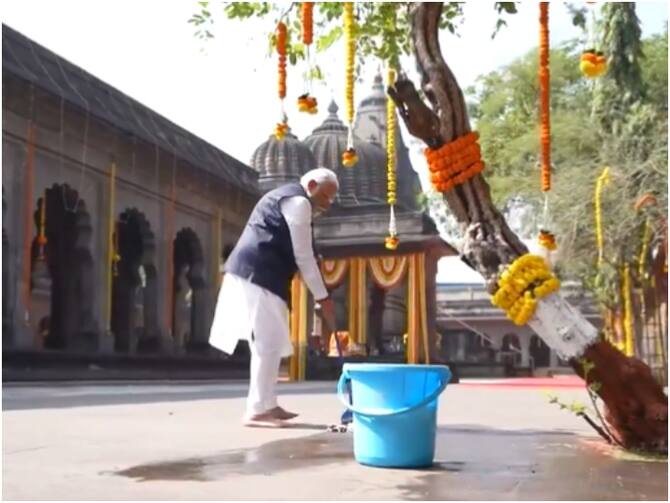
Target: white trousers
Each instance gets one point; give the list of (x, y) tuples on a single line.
[(263, 375)]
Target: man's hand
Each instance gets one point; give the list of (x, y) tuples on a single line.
[(328, 318)]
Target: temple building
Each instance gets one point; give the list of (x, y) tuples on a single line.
[(116, 223), (114, 218)]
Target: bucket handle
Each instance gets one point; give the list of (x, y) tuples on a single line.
[(445, 377)]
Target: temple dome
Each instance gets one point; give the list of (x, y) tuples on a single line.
[(281, 161), (364, 182), (371, 125)]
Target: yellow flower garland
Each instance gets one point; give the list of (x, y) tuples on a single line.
[(642, 259), (627, 313), (391, 241), (523, 282), (349, 157), (602, 180)]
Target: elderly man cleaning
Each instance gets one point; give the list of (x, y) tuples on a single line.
[(276, 243)]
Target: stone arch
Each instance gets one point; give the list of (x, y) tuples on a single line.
[(189, 324), (63, 277), (540, 352), (134, 320)]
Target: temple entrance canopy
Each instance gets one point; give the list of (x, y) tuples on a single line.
[(389, 297)]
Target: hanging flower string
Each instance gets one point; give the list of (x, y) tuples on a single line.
[(545, 128), (454, 163), (603, 179), (41, 236), (527, 279), (349, 157), (306, 102), (282, 127), (627, 312), (592, 63), (547, 240), (391, 241)]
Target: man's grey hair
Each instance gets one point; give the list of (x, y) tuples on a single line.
[(319, 175)]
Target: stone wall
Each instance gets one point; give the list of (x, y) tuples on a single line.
[(78, 151)]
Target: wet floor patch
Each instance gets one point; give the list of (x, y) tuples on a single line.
[(535, 465), (472, 463), (268, 459)]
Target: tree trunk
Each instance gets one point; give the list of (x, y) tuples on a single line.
[(637, 407)]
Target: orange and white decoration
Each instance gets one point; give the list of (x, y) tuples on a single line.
[(334, 272), (387, 272)]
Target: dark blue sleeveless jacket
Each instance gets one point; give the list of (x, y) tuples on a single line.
[(264, 252)]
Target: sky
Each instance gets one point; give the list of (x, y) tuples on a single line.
[(224, 90)]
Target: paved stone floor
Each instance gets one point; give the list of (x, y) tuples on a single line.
[(185, 442)]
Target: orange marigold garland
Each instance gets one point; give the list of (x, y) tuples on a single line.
[(547, 240), (592, 63), (391, 241), (545, 129), (454, 163), (306, 102), (281, 127), (349, 157)]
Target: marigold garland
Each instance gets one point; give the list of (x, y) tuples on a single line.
[(524, 281), (603, 179), (627, 312), (281, 128), (307, 22), (545, 126), (646, 238), (454, 163), (349, 157), (592, 63), (391, 241), (281, 50), (547, 240), (306, 102)]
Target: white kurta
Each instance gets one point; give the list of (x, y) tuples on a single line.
[(244, 308)]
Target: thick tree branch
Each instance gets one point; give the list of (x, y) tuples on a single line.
[(637, 408)]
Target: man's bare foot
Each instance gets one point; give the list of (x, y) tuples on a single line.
[(280, 413), (264, 420)]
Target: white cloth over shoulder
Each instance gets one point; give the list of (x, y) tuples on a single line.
[(243, 308)]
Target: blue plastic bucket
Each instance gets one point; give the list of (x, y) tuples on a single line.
[(395, 411)]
